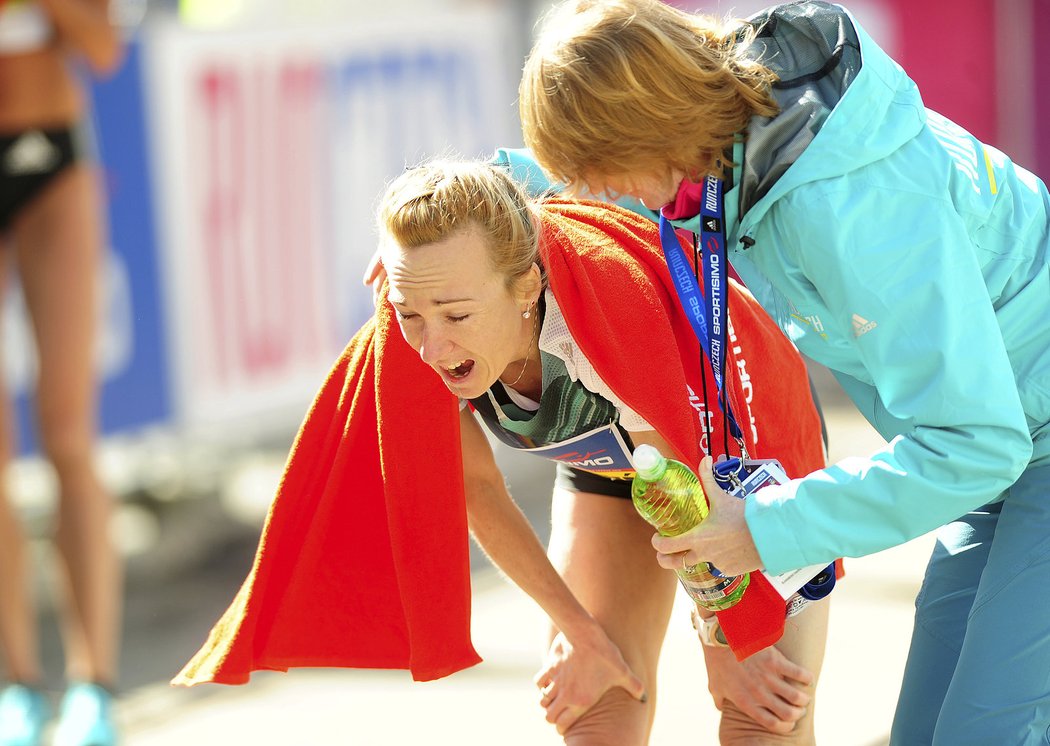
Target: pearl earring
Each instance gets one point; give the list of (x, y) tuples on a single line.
[(527, 312)]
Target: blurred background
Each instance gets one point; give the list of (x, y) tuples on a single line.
[(244, 145)]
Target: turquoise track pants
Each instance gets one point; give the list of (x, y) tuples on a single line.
[(978, 670)]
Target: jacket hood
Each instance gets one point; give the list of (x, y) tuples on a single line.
[(844, 103)]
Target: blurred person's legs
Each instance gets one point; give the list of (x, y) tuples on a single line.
[(59, 249), (18, 635), (23, 708), (977, 670)]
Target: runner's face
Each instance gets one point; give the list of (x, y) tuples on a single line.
[(457, 312), (654, 190)]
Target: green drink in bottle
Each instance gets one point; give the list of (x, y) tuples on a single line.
[(669, 496)]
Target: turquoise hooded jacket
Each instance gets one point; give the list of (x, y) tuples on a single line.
[(910, 259)]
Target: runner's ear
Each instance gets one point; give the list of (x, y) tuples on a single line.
[(529, 286)]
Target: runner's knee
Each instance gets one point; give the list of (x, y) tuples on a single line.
[(737, 729), (617, 719)]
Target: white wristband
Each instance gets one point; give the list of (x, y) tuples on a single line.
[(709, 630)]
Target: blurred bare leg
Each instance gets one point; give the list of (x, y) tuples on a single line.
[(18, 635), (60, 249)]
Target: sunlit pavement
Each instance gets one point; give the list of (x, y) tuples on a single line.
[(495, 702)]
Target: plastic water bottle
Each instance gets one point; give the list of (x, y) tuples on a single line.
[(669, 496)]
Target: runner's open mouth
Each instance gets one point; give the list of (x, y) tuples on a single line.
[(460, 369)]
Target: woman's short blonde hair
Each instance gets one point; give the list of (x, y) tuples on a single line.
[(620, 86), (432, 202)]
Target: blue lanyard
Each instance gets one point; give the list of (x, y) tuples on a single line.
[(709, 315)]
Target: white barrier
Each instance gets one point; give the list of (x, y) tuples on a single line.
[(270, 150)]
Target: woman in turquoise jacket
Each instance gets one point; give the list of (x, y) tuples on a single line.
[(889, 245)]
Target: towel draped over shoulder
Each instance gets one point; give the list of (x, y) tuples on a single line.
[(363, 559)]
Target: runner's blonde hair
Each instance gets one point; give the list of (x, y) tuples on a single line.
[(614, 87), (431, 202)]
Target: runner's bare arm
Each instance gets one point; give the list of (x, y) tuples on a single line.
[(595, 664)]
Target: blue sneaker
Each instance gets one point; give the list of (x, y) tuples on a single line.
[(23, 713), (86, 718)]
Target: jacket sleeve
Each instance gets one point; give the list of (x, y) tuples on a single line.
[(523, 168), (932, 374)]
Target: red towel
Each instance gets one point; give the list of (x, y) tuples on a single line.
[(363, 559), (649, 353)]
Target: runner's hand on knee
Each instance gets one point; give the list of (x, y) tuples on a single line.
[(575, 676), (767, 687)]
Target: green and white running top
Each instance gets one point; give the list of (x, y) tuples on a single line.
[(578, 421)]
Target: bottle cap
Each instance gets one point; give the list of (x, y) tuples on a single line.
[(649, 463)]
